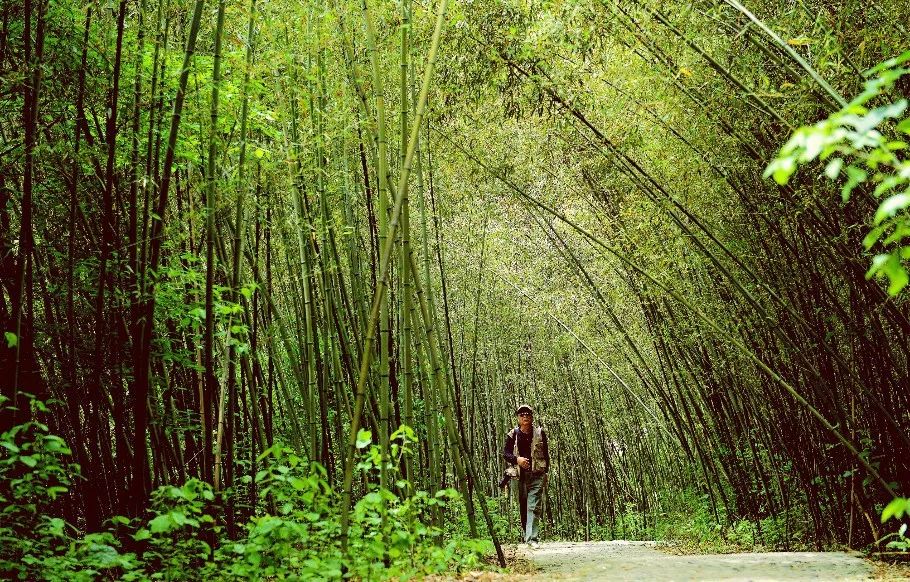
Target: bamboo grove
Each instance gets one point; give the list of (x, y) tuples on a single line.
[(233, 223)]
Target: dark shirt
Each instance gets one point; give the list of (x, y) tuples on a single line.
[(524, 445)]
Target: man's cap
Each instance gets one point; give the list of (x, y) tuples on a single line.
[(524, 408)]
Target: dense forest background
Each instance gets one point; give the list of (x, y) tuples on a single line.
[(276, 274)]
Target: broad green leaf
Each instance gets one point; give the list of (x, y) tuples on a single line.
[(372, 498), (896, 508), (878, 261), (364, 438), (178, 517), (266, 453), (815, 143), (55, 444), (55, 490), (55, 526), (162, 523), (142, 534), (12, 340), (887, 184), (781, 169), (899, 279), (900, 232)]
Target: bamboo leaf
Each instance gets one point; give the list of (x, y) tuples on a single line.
[(892, 206), (832, 170), (873, 236), (855, 177)]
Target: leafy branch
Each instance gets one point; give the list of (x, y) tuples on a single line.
[(860, 144)]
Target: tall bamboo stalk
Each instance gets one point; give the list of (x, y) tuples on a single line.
[(140, 484), (209, 399), (385, 260)]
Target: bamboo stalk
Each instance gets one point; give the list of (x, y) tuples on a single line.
[(384, 262)]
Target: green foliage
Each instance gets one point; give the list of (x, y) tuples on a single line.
[(405, 539), (504, 524), (34, 473), (176, 534), (855, 142), (685, 522), (180, 304), (35, 478), (898, 507), (867, 145), (294, 536), (12, 340), (298, 536), (673, 144), (94, 556)]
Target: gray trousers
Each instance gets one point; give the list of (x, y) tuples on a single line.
[(530, 502)]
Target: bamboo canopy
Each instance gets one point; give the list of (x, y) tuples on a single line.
[(241, 227)]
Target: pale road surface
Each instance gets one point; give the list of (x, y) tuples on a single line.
[(621, 560)]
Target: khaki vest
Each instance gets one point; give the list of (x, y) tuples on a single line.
[(538, 461)]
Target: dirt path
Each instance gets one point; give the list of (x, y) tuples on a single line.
[(618, 560)]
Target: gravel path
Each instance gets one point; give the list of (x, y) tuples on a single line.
[(620, 560)]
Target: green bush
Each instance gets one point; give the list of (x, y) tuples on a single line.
[(34, 472), (295, 534), (175, 536), (692, 527), (895, 510)]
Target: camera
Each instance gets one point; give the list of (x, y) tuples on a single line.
[(510, 472)]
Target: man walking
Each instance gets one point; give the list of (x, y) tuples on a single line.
[(526, 447)]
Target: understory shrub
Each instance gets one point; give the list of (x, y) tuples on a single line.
[(691, 526), (294, 535)]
